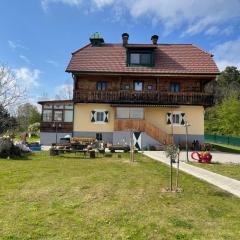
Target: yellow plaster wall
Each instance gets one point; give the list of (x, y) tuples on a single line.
[(194, 115), (155, 115), (82, 118)]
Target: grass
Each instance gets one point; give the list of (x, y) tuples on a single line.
[(66, 197), (226, 147), (31, 139), (229, 170)]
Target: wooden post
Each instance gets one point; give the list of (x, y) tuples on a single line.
[(131, 146), (171, 166), (177, 177)]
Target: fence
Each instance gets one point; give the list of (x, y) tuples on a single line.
[(222, 139)]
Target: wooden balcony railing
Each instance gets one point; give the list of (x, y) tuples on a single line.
[(49, 127), (142, 125), (153, 97)]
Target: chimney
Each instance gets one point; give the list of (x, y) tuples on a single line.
[(154, 39), (125, 37)]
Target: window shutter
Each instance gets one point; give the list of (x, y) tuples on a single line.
[(106, 117), (93, 116), (169, 118), (182, 118)]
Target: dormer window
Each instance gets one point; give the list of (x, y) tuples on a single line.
[(140, 55), (140, 59)]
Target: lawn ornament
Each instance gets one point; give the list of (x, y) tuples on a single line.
[(202, 157)]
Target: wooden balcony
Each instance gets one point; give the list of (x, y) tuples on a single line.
[(142, 125), (49, 127), (151, 98)]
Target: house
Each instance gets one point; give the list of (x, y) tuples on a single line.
[(151, 90), (57, 120)]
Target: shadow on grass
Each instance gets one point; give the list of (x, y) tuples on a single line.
[(23, 157)]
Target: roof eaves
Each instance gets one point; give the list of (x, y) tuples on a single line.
[(80, 49), (145, 73)]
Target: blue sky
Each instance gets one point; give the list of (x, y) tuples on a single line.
[(37, 37)]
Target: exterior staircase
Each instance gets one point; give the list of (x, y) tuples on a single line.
[(142, 125)]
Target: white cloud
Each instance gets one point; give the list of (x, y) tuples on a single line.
[(212, 31), (194, 15), (52, 62), (102, 3), (24, 58), (197, 16), (227, 54), (13, 45), (45, 3), (27, 77)]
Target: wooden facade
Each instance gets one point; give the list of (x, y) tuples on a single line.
[(51, 127), (156, 90), (48, 121)]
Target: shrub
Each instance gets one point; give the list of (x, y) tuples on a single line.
[(34, 128), (7, 148)]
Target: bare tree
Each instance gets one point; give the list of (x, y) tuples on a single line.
[(11, 92), (65, 91)]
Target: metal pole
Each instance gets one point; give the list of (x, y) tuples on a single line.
[(186, 125), (56, 131), (177, 168), (132, 147), (171, 163)]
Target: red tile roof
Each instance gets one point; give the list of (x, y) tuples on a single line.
[(169, 59)]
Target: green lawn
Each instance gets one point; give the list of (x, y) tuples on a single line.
[(31, 139), (226, 147), (66, 197), (229, 170)]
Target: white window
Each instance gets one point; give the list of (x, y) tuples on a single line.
[(138, 86), (68, 116), (130, 113), (122, 112), (136, 113), (135, 58), (58, 106), (58, 116), (68, 106), (176, 118), (140, 58), (47, 106), (100, 117), (47, 115)]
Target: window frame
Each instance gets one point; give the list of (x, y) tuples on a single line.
[(126, 87), (138, 81), (140, 52), (51, 115), (172, 87), (129, 112), (151, 87), (101, 115), (99, 136), (177, 124), (101, 85), (62, 118)]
